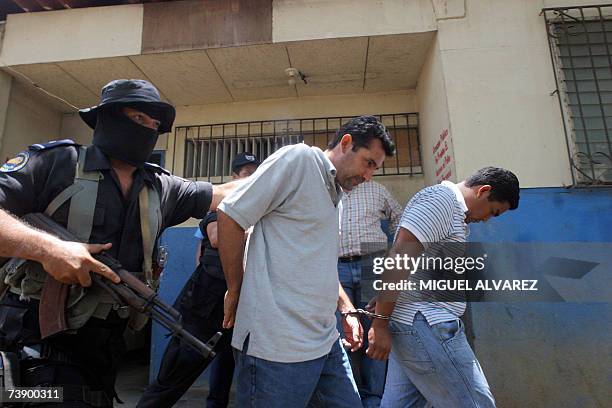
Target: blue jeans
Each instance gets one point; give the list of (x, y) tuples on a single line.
[(324, 382), (434, 364), (369, 374)]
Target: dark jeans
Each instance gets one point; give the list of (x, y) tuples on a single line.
[(201, 304), (84, 362), (369, 374)]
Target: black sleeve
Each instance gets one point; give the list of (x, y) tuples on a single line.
[(182, 199), (210, 217), (32, 187)]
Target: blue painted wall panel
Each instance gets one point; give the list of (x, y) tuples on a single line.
[(181, 263), (547, 354)]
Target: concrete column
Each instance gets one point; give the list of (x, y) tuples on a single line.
[(6, 82)]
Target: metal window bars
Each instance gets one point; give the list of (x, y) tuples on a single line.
[(580, 41), (208, 150)]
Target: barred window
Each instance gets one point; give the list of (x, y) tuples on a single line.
[(580, 41), (210, 149)]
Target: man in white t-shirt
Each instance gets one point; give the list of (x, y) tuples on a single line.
[(288, 353), (431, 360)]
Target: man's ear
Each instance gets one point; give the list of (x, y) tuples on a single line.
[(483, 189), (346, 142)]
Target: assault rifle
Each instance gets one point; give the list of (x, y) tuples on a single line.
[(130, 291)]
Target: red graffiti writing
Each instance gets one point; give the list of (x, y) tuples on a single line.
[(442, 157)]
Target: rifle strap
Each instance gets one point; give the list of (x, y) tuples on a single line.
[(145, 232), (83, 194)]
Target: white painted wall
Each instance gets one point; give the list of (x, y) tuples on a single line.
[(63, 35), (28, 121), (294, 20), (292, 108), (499, 79), (74, 128), (433, 113)]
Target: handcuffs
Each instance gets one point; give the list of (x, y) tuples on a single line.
[(364, 312)]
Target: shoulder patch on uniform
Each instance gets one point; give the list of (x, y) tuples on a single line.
[(53, 143), (16, 163), (156, 167)]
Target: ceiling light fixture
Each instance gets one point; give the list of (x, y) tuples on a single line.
[(293, 75)]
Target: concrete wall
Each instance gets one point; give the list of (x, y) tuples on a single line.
[(499, 79), (75, 34), (28, 121), (6, 82), (434, 118), (295, 20)]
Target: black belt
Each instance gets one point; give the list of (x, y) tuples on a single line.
[(355, 258), (347, 259)]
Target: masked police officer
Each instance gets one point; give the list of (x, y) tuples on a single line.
[(107, 195), (201, 305)]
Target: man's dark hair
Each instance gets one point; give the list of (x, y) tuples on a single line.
[(364, 129), (504, 184)]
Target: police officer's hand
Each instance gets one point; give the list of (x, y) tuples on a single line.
[(379, 340), (71, 262), (230, 304), (353, 332)]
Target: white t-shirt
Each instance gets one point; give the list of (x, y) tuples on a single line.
[(290, 289)]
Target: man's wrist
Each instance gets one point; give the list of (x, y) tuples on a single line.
[(380, 323), (42, 248), (233, 291)]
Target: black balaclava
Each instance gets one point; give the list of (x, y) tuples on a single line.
[(119, 137)]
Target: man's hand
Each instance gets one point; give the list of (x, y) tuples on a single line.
[(353, 332), (230, 304), (379, 340), (71, 262)]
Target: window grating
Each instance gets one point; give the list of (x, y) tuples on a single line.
[(580, 40), (210, 149)]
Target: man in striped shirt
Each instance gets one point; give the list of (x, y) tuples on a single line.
[(431, 361)]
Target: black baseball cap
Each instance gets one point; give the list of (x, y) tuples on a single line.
[(242, 159), (137, 93)]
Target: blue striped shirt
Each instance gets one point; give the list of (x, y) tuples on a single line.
[(435, 216)]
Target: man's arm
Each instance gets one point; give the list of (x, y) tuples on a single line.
[(231, 251), (66, 262), (379, 338), (353, 332), (211, 231), (220, 191)]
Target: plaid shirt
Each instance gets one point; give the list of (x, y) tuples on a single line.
[(362, 210)]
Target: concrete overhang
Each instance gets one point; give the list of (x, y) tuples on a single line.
[(366, 64)]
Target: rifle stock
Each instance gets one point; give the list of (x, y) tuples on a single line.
[(130, 291)]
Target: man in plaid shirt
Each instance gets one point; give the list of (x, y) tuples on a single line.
[(363, 209)]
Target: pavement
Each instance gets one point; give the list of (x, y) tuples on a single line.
[(132, 380)]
